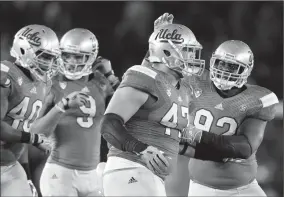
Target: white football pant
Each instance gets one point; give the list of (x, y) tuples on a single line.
[(252, 189), (14, 181), (57, 180), (123, 177)]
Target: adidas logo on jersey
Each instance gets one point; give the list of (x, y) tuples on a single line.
[(219, 106), (132, 180), (85, 89), (33, 90)]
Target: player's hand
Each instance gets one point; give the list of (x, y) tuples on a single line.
[(33, 188), (103, 65), (37, 139), (156, 161), (76, 99), (46, 146), (191, 135), (165, 19), (114, 81)]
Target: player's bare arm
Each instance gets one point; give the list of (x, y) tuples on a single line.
[(124, 104), (51, 113)]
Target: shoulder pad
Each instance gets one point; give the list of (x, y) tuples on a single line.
[(141, 78)]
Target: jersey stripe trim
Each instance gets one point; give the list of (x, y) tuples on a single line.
[(269, 100), (4, 68), (144, 70)]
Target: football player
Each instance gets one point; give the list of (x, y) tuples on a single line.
[(24, 85), (71, 167), (144, 118), (229, 118)]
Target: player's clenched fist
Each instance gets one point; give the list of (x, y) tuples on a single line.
[(73, 100), (156, 161)]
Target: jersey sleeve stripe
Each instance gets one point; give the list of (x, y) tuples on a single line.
[(269, 100), (144, 70), (4, 68)]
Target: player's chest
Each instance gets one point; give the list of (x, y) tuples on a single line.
[(212, 113), (95, 103), (174, 109), (25, 104)]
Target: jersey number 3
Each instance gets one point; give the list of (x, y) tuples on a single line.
[(206, 126), (90, 110)]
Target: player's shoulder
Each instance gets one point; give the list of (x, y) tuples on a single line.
[(198, 82), (8, 72), (265, 96), (143, 72), (141, 78), (7, 67)]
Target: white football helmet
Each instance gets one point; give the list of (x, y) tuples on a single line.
[(231, 64), (36, 47), (79, 49), (176, 46)]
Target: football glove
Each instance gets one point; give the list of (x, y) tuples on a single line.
[(165, 19), (33, 188), (191, 135), (156, 161), (104, 66)]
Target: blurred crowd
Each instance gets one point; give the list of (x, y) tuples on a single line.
[(123, 28)]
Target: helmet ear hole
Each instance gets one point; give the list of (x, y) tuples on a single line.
[(22, 51), (167, 53)]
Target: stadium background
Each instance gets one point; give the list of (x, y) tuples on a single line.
[(123, 28)]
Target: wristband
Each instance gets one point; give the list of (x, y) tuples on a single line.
[(26, 137)]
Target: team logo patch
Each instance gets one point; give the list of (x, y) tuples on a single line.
[(20, 81), (33, 90), (197, 92), (62, 85), (85, 89), (243, 108)]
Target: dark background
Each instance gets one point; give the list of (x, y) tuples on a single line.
[(123, 28)]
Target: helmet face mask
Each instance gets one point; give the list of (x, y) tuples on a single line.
[(231, 64), (36, 48), (79, 51), (176, 46)]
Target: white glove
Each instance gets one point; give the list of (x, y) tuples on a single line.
[(156, 161), (33, 188), (191, 135), (165, 19)]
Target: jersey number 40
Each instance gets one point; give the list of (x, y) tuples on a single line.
[(18, 113)]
